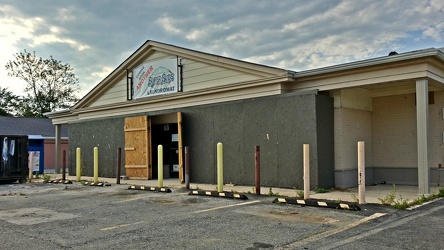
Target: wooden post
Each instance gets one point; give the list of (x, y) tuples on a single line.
[(119, 159), (257, 168), (64, 166)]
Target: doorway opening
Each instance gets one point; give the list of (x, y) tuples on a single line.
[(166, 135)]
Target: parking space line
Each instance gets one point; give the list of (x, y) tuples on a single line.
[(120, 226), (233, 205)]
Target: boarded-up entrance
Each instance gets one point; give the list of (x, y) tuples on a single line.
[(137, 148)]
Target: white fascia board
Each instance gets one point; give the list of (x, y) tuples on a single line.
[(373, 62)]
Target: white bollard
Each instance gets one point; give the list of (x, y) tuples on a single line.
[(361, 172)]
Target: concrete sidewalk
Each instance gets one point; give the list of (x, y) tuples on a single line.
[(372, 194)]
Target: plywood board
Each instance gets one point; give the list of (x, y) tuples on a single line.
[(136, 147)]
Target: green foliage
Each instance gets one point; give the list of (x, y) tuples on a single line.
[(355, 199), (270, 192), (389, 199), (8, 102), (321, 190), (300, 193), (402, 203), (50, 84), (441, 192), (46, 178)]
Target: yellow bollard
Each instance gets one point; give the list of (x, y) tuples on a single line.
[(78, 165), (306, 151), (96, 164), (160, 166), (220, 168)]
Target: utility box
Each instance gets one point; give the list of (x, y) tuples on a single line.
[(13, 158)]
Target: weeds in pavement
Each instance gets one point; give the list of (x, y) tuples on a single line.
[(321, 190), (46, 178), (401, 203), (300, 193)]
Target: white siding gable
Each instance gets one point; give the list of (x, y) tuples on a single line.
[(197, 75)]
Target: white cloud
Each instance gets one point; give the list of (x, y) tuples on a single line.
[(167, 24)]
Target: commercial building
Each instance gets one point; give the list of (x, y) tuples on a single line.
[(177, 97)]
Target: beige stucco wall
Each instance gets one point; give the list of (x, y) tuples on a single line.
[(353, 123), (394, 131)]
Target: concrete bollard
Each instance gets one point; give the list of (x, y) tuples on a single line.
[(306, 149), (220, 168), (78, 164), (160, 166), (30, 165), (361, 172), (96, 164)]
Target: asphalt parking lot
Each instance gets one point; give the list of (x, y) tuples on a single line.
[(73, 216)]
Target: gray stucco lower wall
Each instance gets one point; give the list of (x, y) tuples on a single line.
[(107, 135), (280, 125)]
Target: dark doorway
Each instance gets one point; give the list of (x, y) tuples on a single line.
[(167, 136)]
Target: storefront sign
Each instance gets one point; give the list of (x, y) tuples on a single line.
[(155, 78)]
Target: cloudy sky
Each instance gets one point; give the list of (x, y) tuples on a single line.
[(94, 37)]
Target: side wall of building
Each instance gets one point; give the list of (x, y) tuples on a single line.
[(394, 133), (107, 135), (278, 124)]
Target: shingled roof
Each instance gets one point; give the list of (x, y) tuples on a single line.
[(29, 126)]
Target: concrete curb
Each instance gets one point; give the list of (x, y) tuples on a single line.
[(146, 188), (318, 203), (60, 182), (96, 184), (219, 194)]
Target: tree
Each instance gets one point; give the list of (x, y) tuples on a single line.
[(8, 102), (51, 85)]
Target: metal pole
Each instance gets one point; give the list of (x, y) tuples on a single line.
[(220, 168), (64, 166), (78, 164), (361, 172), (96, 164), (160, 166), (306, 149), (187, 168), (119, 159), (257, 168)]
